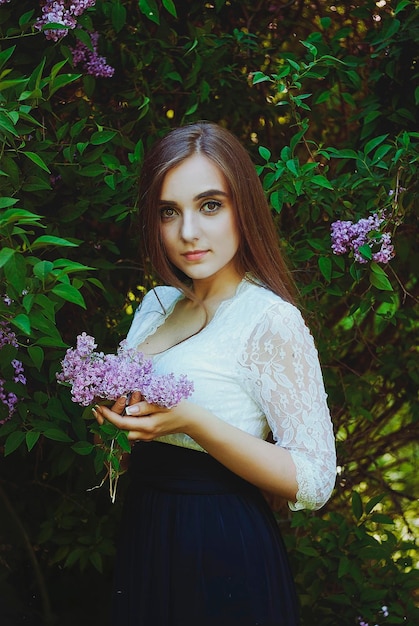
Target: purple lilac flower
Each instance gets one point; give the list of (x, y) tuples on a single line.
[(348, 236), (61, 12), (90, 60), (166, 390), (4, 2), (19, 376), (7, 336), (93, 375), (10, 400)]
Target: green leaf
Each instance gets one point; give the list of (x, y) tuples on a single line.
[(6, 202), (37, 160), (63, 79), (6, 84), (32, 437), (15, 272), (69, 293), (170, 7), (402, 5), (93, 170), (51, 240), (325, 266), (380, 281), (23, 323), (5, 55), (310, 47), (83, 447), (5, 255), (84, 37), (6, 123), (37, 355), (321, 181), (66, 266), (57, 435), (373, 502), (344, 565), (150, 10), (373, 143), (365, 251), (123, 441), (357, 507), (118, 16), (291, 165), (102, 136), (264, 153), (380, 153), (19, 215), (192, 109), (42, 269), (13, 441), (260, 77)]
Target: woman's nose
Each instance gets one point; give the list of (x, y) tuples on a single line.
[(190, 226)]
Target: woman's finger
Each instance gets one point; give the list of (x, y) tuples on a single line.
[(119, 405), (135, 397), (142, 408), (124, 422)]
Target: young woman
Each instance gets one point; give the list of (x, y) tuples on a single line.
[(199, 546)]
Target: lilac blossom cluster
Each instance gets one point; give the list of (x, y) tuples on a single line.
[(90, 60), (4, 2), (94, 375), (10, 399), (62, 12), (349, 236)]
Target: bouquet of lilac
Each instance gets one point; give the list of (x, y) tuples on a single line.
[(94, 375)]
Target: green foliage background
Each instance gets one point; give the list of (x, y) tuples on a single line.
[(325, 97)]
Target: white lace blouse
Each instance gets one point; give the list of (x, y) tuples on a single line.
[(256, 367)]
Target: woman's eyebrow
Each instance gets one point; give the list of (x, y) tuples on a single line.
[(204, 194), (211, 192)]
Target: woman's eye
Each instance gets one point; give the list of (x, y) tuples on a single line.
[(167, 212), (211, 206)]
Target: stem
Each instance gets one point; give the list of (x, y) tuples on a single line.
[(48, 617)]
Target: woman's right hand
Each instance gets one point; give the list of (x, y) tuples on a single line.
[(119, 407)]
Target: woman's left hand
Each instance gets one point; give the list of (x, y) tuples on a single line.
[(145, 421)]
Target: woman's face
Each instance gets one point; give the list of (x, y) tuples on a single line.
[(197, 220)]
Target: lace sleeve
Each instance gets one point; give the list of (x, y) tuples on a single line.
[(282, 373)]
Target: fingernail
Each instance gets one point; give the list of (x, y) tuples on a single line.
[(94, 412), (129, 410)]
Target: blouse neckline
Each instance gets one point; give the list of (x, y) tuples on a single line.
[(242, 286)]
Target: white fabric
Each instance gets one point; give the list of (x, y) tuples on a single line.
[(256, 367)]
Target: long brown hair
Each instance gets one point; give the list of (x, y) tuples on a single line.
[(259, 253)]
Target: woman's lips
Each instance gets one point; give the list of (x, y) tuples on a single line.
[(195, 255)]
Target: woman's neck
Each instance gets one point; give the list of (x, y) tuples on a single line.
[(211, 291)]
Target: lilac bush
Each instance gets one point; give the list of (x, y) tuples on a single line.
[(90, 60), (348, 236), (62, 12), (94, 375)]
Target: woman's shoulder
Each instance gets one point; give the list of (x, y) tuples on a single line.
[(264, 314), (159, 299), (260, 299)]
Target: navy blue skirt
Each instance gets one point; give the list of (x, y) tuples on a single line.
[(198, 546)]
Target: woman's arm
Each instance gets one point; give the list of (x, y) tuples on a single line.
[(279, 369), (269, 467)]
